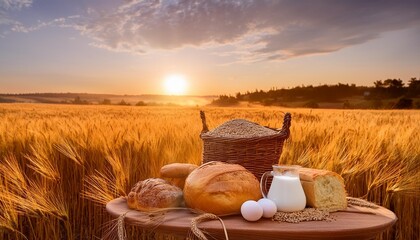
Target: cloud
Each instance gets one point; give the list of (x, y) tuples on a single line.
[(247, 30), (61, 22), (7, 6), (148, 25), (259, 30), (14, 4), (7, 23)]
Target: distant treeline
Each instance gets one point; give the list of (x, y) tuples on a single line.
[(106, 101), (43, 98), (310, 95)]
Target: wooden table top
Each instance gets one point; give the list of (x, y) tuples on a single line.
[(350, 224)]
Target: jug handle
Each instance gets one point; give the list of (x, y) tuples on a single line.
[(263, 183)]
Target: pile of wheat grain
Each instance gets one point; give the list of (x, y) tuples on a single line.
[(240, 128)]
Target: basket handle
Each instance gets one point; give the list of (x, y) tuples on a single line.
[(287, 122), (203, 121)]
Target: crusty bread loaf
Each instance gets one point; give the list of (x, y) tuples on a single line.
[(176, 173), (323, 189), (220, 188), (154, 193)]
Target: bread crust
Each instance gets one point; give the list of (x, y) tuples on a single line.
[(323, 189), (220, 188), (154, 193), (177, 170), (176, 173), (310, 174)]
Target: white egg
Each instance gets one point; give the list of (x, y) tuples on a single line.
[(251, 211), (268, 206)]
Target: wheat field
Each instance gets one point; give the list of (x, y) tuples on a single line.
[(59, 164)]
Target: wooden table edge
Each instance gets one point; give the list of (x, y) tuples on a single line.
[(216, 230)]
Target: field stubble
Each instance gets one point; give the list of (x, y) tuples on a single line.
[(60, 164)]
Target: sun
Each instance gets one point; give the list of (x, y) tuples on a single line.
[(175, 84)]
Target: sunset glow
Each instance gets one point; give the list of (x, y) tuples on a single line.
[(175, 85)]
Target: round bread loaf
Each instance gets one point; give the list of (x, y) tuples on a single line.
[(154, 193), (220, 188)]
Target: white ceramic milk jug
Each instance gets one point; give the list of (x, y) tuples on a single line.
[(285, 190)]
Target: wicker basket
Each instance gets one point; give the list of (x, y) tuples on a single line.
[(257, 154)]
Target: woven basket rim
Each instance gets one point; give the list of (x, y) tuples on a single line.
[(279, 134)]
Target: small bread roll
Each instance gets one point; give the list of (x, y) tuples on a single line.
[(220, 188), (177, 170), (176, 173), (323, 189), (154, 193)]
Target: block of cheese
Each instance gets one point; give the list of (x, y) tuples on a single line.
[(323, 189)]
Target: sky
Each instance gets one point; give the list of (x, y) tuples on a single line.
[(214, 46)]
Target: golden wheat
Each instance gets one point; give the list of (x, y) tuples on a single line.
[(59, 164)]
